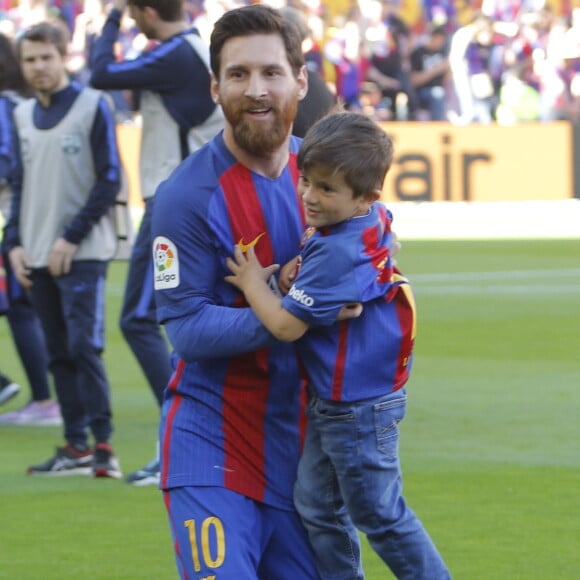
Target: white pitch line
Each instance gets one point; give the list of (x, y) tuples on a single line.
[(539, 275), (493, 289)]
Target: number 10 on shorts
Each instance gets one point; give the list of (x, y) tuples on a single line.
[(211, 528)]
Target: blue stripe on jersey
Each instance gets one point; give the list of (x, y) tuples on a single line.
[(99, 328)]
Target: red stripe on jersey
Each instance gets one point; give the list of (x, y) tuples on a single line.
[(338, 378), (405, 307), (245, 398), (245, 212), (177, 398), (378, 254), (176, 546), (295, 172), (304, 396), (246, 384)]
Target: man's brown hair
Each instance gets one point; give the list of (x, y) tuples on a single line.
[(251, 20)]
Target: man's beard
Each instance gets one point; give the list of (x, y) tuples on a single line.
[(261, 138)]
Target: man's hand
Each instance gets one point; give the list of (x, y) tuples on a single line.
[(20, 266), (395, 247), (247, 270), (120, 5), (60, 257), (287, 275), (355, 309), (349, 311)]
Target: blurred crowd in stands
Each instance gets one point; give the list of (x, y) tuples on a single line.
[(456, 61)]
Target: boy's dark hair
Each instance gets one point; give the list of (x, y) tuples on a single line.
[(45, 32), (350, 144), (251, 20), (168, 10), (11, 77)]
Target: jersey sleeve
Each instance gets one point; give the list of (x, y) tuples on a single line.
[(188, 272), (325, 283), (155, 70), (11, 234), (6, 139)]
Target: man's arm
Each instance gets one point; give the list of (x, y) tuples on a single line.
[(420, 78), (6, 139), (11, 240), (385, 82), (11, 237), (213, 331), (186, 97), (197, 307), (155, 70)]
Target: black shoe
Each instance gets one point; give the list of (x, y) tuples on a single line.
[(148, 475), (105, 464), (8, 389), (67, 461)]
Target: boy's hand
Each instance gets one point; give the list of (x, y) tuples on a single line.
[(247, 270)]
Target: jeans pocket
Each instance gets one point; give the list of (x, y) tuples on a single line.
[(388, 415), (331, 411)]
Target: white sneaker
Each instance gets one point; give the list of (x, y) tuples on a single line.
[(8, 389), (148, 475), (35, 414)]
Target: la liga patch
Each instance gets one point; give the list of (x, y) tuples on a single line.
[(165, 263)]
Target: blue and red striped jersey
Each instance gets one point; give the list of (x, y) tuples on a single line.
[(232, 415), (350, 262)]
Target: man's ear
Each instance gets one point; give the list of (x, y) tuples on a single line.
[(150, 14), (302, 79), (214, 89)]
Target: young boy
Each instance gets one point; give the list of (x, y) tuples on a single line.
[(349, 475)]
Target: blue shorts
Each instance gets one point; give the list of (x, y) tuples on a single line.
[(220, 533)]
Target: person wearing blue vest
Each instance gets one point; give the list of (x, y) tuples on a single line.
[(178, 116), (60, 238)]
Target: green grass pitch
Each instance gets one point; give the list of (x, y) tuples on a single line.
[(490, 447)]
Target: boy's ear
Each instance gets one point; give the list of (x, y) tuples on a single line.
[(368, 198)]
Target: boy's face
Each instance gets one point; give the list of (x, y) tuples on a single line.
[(258, 92), (328, 199)]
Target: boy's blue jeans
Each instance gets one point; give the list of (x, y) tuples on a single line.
[(350, 477)]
